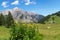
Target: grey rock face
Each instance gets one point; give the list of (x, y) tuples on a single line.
[(25, 16)]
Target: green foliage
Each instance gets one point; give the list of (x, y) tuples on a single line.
[(6, 20), (2, 19), (57, 13), (25, 33), (10, 20)]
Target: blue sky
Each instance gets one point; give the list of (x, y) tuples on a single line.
[(43, 7)]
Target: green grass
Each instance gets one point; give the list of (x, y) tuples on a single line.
[(52, 33), (56, 19), (4, 33)]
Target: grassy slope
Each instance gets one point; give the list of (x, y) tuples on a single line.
[(57, 19), (51, 31), (4, 33)]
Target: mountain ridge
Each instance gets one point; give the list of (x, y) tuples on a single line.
[(19, 14), (52, 18)]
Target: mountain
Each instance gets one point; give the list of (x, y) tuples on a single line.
[(24, 16), (53, 18)]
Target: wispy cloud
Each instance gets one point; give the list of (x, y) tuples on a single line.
[(28, 2), (16, 2), (4, 4)]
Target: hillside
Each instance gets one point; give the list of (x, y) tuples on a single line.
[(53, 18)]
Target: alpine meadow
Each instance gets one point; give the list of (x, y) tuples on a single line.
[(29, 19)]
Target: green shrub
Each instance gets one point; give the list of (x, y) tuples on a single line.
[(25, 33)]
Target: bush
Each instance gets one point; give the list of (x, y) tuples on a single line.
[(25, 33)]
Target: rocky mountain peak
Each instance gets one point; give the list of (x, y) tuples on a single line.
[(16, 9), (19, 14)]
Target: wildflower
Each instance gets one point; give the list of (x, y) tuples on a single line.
[(48, 27), (24, 25)]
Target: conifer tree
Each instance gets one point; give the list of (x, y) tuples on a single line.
[(10, 20), (2, 19)]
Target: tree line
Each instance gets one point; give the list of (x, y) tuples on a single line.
[(6, 20)]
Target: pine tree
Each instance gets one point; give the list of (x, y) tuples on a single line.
[(10, 20), (2, 19), (53, 20)]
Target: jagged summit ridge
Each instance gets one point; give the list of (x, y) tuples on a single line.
[(19, 14)]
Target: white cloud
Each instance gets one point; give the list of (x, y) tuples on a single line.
[(27, 2), (16, 2), (4, 4)]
